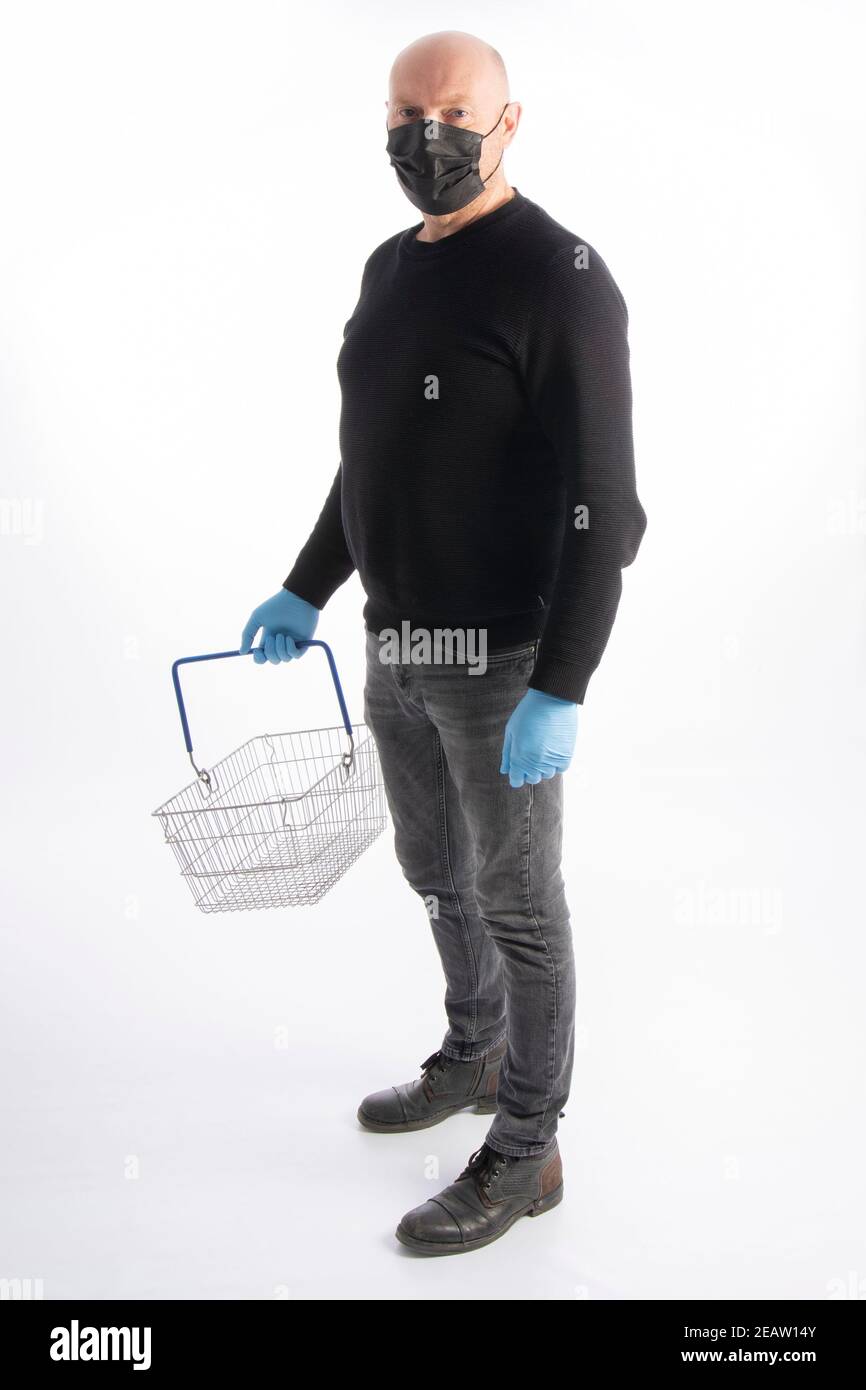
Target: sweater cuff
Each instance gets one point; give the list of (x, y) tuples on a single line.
[(305, 585), (560, 678)]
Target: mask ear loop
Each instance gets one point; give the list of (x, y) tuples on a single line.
[(496, 123), (490, 132)]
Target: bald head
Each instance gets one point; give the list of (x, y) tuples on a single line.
[(450, 60)]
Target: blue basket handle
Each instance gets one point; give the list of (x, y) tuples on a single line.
[(202, 774)]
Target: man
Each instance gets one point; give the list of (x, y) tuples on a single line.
[(486, 489)]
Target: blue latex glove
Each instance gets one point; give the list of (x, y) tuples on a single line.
[(285, 620), (539, 738)]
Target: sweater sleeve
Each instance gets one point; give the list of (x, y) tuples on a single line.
[(324, 562), (575, 362)]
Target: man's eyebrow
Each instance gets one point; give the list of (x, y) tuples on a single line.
[(447, 101)]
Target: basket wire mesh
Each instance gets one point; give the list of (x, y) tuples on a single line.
[(277, 822)]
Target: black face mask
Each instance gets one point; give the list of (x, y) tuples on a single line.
[(439, 172)]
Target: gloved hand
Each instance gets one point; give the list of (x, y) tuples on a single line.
[(285, 620), (539, 738)]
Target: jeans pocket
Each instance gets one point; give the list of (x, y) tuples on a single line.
[(513, 656)]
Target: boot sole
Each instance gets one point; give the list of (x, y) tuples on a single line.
[(480, 1107), (432, 1247)]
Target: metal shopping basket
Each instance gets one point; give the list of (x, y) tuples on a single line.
[(279, 821)]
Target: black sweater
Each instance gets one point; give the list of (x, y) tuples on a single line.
[(486, 397)]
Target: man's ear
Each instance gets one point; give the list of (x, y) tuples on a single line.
[(511, 122)]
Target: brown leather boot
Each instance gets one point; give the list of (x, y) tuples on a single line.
[(444, 1087), (491, 1193)]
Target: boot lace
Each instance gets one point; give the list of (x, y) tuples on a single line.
[(484, 1167), (435, 1065), (434, 1069)]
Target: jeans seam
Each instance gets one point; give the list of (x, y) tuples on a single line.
[(446, 863), (511, 1150), (552, 1042)]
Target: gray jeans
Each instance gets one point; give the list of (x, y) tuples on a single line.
[(485, 858)]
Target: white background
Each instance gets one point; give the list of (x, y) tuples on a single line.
[(189, 194)]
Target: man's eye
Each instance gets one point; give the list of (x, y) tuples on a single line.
[(459, 115), (407, 113)]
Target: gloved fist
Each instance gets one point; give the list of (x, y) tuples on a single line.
[(285, 620), (539, 738)]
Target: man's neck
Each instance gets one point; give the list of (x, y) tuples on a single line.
[(435, 228)]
